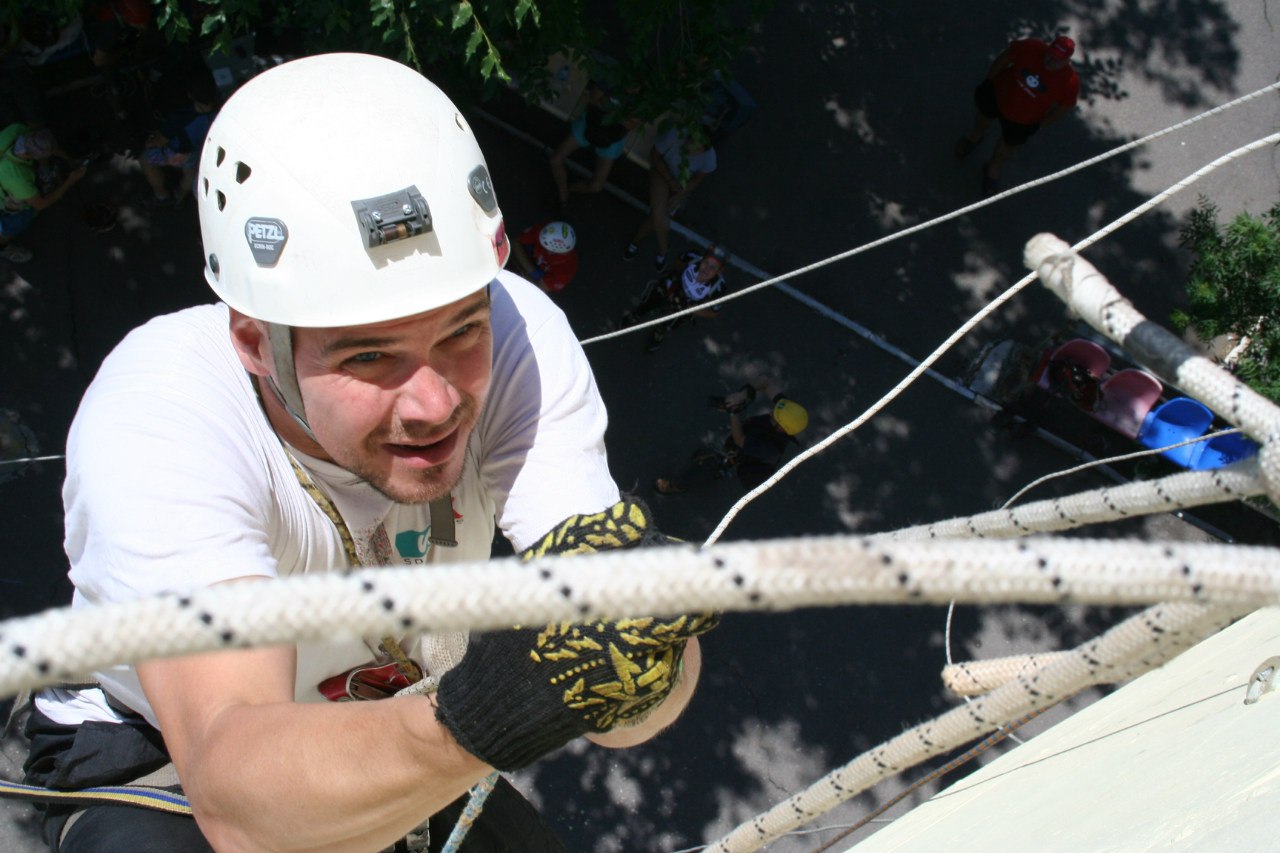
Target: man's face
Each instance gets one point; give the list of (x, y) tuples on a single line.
[(708, 268), (395, 402)]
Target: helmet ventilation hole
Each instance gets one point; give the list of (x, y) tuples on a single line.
[(242, 172), (222, 155), (206, 185), (457, 117), (222, 200)]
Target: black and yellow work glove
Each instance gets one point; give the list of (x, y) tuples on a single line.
[(519, 694)]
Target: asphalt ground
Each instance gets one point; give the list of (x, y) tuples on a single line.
[(858, 108)]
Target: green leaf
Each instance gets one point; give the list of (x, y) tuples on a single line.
[(473, 42), (461, 15)]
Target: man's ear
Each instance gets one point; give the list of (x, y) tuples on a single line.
[(249, 337)]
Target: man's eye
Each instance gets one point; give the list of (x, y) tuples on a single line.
[(463, 331), (366, 357)]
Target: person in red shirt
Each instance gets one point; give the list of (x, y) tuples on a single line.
[(547, 255), (1029, 86)]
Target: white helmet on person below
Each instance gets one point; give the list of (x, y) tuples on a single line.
[(558, 238), (345, 189)]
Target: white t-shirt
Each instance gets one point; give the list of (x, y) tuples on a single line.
[(176, 480)]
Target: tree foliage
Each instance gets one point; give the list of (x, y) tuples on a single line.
[(1234, 288), (662, 57)]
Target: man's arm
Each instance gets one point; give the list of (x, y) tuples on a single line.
[(266, 774), (41, 202)]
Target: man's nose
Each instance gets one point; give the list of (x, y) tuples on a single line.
[(426, 396)]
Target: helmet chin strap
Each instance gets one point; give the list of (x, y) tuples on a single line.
[(286, 390)]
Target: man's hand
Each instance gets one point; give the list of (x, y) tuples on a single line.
[(520, 694)]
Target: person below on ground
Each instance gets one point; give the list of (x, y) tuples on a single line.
[(22, 151), (171, 153), (373, 390), (753, 450), (1030, 85), (678, 163), (597, 127), (699, 278), (547, 255)]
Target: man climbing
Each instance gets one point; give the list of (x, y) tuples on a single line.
[(373, 390), (1030, 85)]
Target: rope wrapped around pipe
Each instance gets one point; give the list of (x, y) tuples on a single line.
[(65, 644), (1088, 293)]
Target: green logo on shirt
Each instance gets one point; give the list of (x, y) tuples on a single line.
[(413, 543)]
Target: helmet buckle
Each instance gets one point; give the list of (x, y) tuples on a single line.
[(394, 216)]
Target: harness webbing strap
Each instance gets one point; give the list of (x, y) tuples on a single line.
[(442, 530), (141, 796)]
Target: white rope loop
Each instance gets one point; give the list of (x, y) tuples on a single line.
[(1179, 625), (65, 644), (1176, 491)]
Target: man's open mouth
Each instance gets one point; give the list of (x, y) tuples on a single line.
[(425, 454)]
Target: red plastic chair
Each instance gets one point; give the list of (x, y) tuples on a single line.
[(1085, 353), (1127, 397)]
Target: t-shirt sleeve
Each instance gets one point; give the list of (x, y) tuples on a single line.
[(542, 436), (160, 495)]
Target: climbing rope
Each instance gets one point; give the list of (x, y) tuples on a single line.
[(1087, 665), (960, 760), (61, 644), (1113, 459), (1144, 497)]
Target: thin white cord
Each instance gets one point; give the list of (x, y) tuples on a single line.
[(30, 459), (938, 220), (965, 327), (1086, 466)]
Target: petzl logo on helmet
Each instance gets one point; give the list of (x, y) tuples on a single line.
[(481, 187), (266, 239)]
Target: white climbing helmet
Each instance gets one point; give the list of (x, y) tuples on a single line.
[(345, 189), (558, 238)]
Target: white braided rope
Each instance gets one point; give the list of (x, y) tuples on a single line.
[(1088, 293), (1087, 665), (65, 644), (975, 677), (1176, 491)]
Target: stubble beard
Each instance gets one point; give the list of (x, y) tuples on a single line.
[(428, 484)]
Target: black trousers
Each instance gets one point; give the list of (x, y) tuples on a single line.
[(92, 754)]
